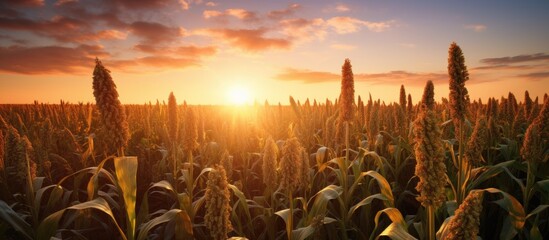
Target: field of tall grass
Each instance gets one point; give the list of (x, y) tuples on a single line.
[(354, 168)]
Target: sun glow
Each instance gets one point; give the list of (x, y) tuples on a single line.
[(238, 95)]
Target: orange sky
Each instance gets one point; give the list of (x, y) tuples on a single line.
[(219, 52)]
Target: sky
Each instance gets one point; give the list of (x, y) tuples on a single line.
[(227, 52)]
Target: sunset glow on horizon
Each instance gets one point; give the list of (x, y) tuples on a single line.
[(237, 52)]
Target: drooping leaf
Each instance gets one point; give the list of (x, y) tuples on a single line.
[(15, 221), (49, 225)]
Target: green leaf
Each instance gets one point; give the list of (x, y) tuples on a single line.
[(364, 202), (516, 217), (536, 211), (489, 174), (302, 233), (143, 215), (397, 229), (384, 186), (543, 186), (49, 225), (322, 198), (13, 219), (183, 224), (126, 172), (443, 229)]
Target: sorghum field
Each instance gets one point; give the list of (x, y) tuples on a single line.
[(354, 168)]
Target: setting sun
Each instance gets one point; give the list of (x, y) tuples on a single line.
[(238, 95)]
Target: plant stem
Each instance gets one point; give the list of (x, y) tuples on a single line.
[(290, 224), (530, 180), (460, 187), (431, 222)]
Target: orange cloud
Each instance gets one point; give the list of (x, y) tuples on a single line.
[(211, 14), (251, 40), (242, 14), (289, 11), (303, 29), (50, 59), (344, 25), (239, 13), (188, 51)]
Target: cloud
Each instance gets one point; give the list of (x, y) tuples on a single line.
[(155, 33), (184, 4), (62, 2), (407, 45), (300, 29), (251, 40), (144, 4), (393, 77), (280, 14), (307, 76), (110, 15), (342, 8), (62, 29), (190, 51), (49, 59), (239, 13), (344, 25), (476, 27), (506, 67), (79, 60), (535, 76), (211, 14), (26, 3), (345, 47), (242, 14), (211, 4), (144, 64), (517, 59), (8, 12)]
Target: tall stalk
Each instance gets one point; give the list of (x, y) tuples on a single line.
[(431, 222)]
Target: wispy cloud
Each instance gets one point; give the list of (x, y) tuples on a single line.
[(531, 67), (407, 45), (391, 78), (345, 47), (189, 51), (287, 12), (343, 25), (239, 13), (476, 27), (535, 76), (301, 29), (342, 8), (250, 40), (516, 59)]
